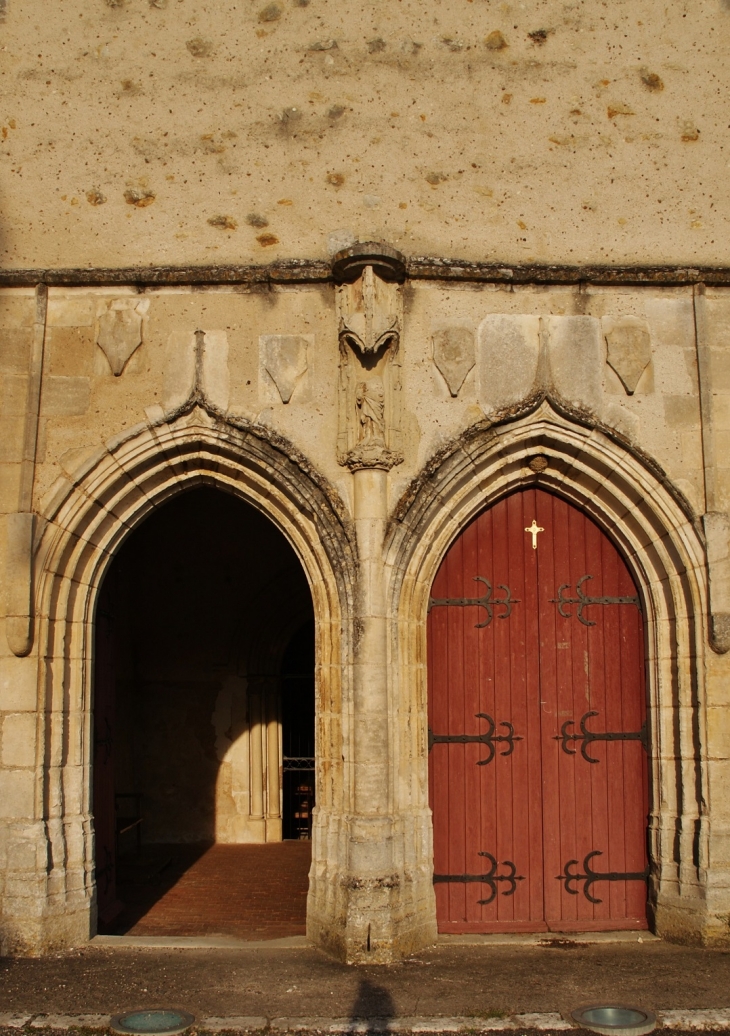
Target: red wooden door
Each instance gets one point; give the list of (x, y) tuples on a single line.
[(538, 772)]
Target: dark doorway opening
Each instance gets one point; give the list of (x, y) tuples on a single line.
[(297, 721), (202, 612)]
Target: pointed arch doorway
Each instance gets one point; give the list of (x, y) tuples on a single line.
[(195, 623), (538, 765)]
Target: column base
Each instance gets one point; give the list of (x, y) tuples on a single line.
[(371, 898), (690, 923), (38, 936)]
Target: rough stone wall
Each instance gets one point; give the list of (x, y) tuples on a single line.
[(184, 131)]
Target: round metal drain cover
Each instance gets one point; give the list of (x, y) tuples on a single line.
[(162, 1021), (615, 1019)]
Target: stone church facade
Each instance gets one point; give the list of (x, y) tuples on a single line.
[(371, 398)]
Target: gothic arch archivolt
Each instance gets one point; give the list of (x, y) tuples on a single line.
[(653, 527), (86, 520)]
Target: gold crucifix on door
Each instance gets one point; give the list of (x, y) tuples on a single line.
[(534, 529)]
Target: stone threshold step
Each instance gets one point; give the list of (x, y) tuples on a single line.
[(688, 1020), (299, 942), (203, 942)]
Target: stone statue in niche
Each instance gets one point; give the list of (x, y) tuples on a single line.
[(370, 400), (370, 318), (628, 349)]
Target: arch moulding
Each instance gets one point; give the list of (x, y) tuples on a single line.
[(654, 528), (83, 523)]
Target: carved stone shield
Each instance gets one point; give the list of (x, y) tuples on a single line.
[(628, 348), (120, 332), (285, 361), (453, 354)]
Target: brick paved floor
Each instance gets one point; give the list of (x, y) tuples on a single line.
[(247, 891)]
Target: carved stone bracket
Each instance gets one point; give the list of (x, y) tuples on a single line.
[(370, 320)]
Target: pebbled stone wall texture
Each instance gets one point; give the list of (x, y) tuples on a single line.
[(188, 131)]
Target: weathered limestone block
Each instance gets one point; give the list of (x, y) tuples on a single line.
[(74, 311), (715, 320), (16, 794), (12, 427), (214, 377), (23, 850), (576, 360), (64, 396), (18, 739), (15, 344), (712, 318), (623, 420), (717, 532), (628, 345), (507, 359), (671, 320), (284, 358), (179, 375), (13, 393), (17, 311), (9, 486), (19, 582), (682, 411), (18, 684), (454, 355), (120, 331), (718, 736)]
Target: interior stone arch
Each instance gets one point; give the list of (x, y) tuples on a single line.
[(656, 532)]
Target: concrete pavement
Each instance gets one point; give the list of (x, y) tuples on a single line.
[(522, 984)]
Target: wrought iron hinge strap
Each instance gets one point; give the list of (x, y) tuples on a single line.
[(491, 878), (486, 601), (488, 738), (588, 736), (591, 877), (582, 601)]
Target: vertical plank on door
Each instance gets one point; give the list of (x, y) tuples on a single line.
[(602, 805)]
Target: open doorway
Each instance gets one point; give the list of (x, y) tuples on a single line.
[(204, 625), (297, 724)]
